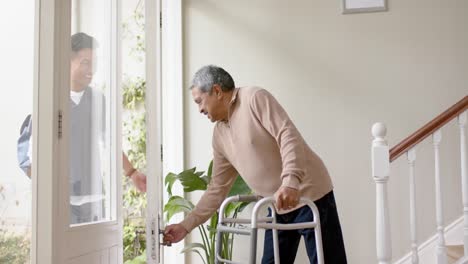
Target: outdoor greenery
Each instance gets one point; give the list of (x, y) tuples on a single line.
[(134, 202), (193, 180), (14, 249), (134, 137)]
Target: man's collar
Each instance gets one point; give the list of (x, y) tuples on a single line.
[(231, 103), (234, 96)]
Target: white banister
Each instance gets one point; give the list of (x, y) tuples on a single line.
[(411, 155), (441, 249), (464, 177), (381, 173)]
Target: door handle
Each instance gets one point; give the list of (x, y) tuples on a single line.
[(164, 243)]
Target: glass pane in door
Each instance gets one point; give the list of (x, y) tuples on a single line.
[(92, 180)]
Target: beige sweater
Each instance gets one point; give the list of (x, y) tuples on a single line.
[(260, 143)]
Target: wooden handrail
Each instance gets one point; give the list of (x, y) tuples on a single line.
[(427, 130)]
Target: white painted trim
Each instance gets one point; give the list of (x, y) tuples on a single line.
[(345, 10), (427, 250), (34, 189), (117, 127), (51, 27), (153, 128), (173, 110)]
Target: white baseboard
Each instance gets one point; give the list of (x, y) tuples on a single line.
[(427, 250)]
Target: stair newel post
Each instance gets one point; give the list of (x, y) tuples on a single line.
[(381, 173)]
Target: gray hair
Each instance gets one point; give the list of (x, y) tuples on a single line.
[(209, 75)]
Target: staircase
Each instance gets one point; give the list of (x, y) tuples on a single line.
[(454, 253), (382, 158)]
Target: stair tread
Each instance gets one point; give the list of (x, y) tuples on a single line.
[(455, 251)]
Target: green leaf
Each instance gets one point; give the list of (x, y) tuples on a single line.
[(239, 187), (242, 206), (206, 179), (177, 204), (192, 246), (213, 224), (191, 181), (169, 182), (210, 169), (141, 259), (230, 208)]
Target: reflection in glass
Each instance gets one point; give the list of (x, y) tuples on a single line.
[(89, 182)]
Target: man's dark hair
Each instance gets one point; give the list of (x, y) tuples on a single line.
[(81, 41)]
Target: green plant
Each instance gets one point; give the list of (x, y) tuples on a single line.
[(134, 31), (134, 135), (141, 259), (193, 180), (14, 249)]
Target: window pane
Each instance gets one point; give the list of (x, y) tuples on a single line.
[(16, 19), (91, 195)]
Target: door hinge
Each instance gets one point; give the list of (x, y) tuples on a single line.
[(154, 240), (162, 153), (154, 236), (60, 117), (160, 19)]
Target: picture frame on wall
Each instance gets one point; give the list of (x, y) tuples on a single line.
[(363, 6)]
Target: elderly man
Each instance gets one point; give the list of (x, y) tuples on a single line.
[(254, 137)]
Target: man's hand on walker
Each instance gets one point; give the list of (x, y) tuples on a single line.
[(174, 233), (286, 198)]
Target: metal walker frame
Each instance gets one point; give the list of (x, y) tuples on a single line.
[(263, 223)]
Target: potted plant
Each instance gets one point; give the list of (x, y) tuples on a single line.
[(193, 180)]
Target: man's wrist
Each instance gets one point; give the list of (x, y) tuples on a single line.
[(291, 182)]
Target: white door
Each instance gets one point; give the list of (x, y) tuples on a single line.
[(153, 130), (164, 105), (76, 183)]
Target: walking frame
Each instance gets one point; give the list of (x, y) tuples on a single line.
[(257, 222)]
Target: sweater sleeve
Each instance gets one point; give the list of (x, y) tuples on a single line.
[(276, 121), (223, 177)]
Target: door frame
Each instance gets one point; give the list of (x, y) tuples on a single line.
[(153, 129), (51, 77), (50, 28), (173, 108)]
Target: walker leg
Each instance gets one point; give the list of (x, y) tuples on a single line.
[(253, 244), (218, 246), (275, 237)]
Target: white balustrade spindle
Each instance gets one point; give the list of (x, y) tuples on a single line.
[(411, 155), (381, 173), (464, 177), (441, 249)]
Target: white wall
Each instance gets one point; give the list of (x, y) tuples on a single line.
[(336, 75)]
